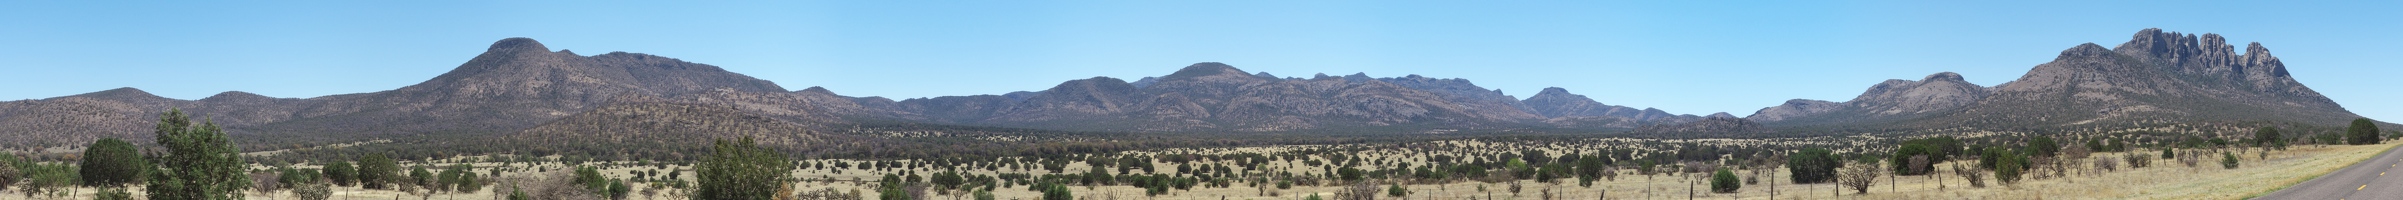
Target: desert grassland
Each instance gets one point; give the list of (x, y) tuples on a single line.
[(2166, 179)]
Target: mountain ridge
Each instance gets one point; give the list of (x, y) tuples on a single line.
[(519, 85)]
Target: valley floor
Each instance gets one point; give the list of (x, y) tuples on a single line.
[(2166, 179)]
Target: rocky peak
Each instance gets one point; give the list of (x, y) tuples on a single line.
[(1206, 69), (518, 44), (1943, 76), (2087, 50), (1720, 115)]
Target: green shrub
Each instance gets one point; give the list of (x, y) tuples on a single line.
[(1724, 182), (2227, 160), (2008, 167), (110, 162), (741, 170), (1902, 158), (2362, 132), (1814, 165)]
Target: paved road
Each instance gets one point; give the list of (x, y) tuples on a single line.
[(2370, 179)]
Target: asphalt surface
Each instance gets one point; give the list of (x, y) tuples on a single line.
[(2376, 178)]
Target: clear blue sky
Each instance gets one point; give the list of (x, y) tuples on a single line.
[(1697, 57)]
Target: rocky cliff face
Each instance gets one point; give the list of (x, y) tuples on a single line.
[(2155, 77)]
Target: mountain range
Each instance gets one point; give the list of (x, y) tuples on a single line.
[(520, 90)]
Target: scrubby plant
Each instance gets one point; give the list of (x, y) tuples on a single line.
[(2227, 160), (2007, 168), (1859, 178), (312, 191), (112, 193), (2138, 160)]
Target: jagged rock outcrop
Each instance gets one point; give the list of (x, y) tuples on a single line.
[(2155, 77)]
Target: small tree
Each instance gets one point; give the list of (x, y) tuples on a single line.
[(110, 162), (341, 173), (2362, 132), (1724, 182), (2008, 168), (378, 172), (418, 176), (1813, 165), (1060, 192), (1397, 191), (201, 163), (2042, 146), (1902, 157)]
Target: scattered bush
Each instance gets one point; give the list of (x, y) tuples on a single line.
[(312, 191), (2227, 160), (1902, 159), (2106, 164), (2269, 137), (2138, 160), (1859, 178), (1724, 182), (112, 193)]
